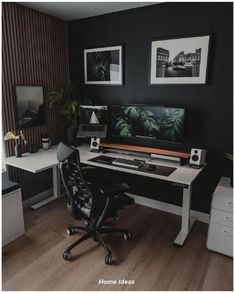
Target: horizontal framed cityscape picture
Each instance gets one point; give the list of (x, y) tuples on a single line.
[(103, 66), (179, 61), (29, 106)]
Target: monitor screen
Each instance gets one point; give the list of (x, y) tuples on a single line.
[(93, 121), (148, 122)]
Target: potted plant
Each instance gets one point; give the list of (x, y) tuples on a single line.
[(69, 107), (12, 135)]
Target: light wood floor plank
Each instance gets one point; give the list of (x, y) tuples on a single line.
[(34, 261)]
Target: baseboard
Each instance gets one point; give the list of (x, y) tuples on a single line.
[(166, 207), (36, 198)]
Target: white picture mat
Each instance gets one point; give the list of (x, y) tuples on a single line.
[(119, 81), (175, 46)]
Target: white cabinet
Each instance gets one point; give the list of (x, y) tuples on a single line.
[(12, 216), (220, 233)]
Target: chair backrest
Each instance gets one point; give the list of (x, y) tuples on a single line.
[(79, 195)]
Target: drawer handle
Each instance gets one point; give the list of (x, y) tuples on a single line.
[(229, 203), (227, 233), (228, 219)]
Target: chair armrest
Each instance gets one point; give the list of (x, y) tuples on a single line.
[(115, 189)]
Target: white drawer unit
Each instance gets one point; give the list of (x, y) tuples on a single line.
[(223, 198), (222, 217), (220, 239), (12, 216), (220, 233)]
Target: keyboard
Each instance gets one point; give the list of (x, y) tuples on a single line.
[(128, 163), (93, 127)]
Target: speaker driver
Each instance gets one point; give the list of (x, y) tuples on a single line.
[(195, 158)]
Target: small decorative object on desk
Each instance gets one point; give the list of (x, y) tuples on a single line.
[(12, 135), (46, 142)]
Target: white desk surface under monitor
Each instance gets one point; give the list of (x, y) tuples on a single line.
[(46, 159), (183, 174)]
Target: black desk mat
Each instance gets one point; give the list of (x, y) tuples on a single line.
[(159, 169)]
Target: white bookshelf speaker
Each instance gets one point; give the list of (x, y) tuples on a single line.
[(95, 144), (197, 157)]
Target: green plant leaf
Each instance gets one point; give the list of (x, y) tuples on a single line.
[(228, 156), (56, 97), (69, 107), (122, 127), (149, 124), (132, 112), (172, 125)]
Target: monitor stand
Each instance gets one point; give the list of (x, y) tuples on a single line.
[(95, 144)]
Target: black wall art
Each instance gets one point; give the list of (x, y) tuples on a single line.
[(103, 65), (29, 106)]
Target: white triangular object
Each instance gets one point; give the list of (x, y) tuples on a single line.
[(93, 119)]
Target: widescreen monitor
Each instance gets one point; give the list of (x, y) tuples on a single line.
[(93, 121), (148, 122)]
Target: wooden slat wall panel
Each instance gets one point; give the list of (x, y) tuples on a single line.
[(34, 52)]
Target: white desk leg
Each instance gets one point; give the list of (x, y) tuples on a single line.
[(186, 223), (56, 182), (56, 189)]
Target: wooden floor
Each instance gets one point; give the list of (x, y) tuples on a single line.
[(34, 261)]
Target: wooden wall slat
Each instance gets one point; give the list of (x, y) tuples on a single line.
[(34, 52)]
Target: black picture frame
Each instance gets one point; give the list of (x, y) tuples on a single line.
[(29, 106), (97, 67), (180, 75)]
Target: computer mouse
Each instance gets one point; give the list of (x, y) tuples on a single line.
[(151, 167)]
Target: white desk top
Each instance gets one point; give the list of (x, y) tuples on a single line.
[(45, 159), (183, 174), (36, 162)]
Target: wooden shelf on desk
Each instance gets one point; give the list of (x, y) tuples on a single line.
[(148, 150)]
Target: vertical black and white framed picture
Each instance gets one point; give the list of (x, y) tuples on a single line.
[(29, 106), (103, 66), (179, 60)]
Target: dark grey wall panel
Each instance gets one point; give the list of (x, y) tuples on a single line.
[(209, 108), (206, 105), (34, 52)]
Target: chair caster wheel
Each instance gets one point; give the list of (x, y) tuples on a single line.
[(67, 255), (108, 259), (70, 231), (127, 236)]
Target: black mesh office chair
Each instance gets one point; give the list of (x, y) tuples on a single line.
[(89, 204)]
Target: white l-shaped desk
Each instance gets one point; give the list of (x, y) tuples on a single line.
[(45, 159)]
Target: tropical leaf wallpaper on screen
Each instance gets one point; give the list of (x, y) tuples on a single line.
[(147, 121)]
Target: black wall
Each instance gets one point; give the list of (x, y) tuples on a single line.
[(209, 108)]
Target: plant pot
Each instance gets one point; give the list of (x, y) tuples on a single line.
[(18, 151), (71, 134)]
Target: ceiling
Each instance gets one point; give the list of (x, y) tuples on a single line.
[(77, 10)]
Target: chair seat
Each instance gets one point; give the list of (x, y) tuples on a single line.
[(115, 204)]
